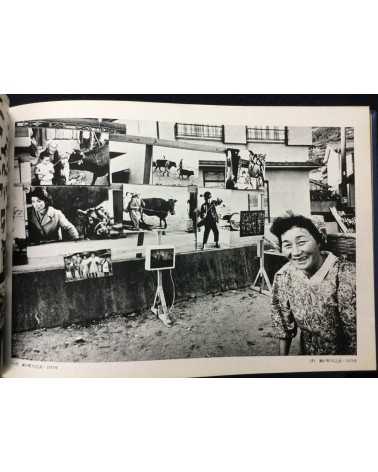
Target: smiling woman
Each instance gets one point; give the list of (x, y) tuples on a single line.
[(314, 291)]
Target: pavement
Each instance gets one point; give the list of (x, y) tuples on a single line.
[(222, 324)]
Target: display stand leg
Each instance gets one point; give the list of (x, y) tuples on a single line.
[(262, 276), (159, 307)]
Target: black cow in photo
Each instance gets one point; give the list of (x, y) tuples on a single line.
[(160, 208), (163, 166), (95, 160), (185, 173)]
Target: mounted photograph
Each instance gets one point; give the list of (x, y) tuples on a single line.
[(63, 151), (88, 265)]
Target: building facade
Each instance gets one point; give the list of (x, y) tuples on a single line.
[(201, 147)]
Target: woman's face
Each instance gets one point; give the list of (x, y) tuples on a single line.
[(39, 205), (300, 247)]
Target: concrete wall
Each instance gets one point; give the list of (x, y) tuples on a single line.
[(296, 151), (140, 127), (289, 190), (44, 300), (166, 130), (299, 135), (278, 152)]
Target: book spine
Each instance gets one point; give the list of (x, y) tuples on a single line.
[(5, 145)]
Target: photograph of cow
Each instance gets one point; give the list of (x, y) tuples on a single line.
[(168, 210), (164, 209), (176, 167), (62, 152)]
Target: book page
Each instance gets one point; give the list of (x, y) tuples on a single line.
[(182, 240), (5, 130)]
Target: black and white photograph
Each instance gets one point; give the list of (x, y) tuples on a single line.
[(262, 268), (160, 258), (63, 151), (56, 214), (149, 208), (88, 265), (19, 246), (50, 222), (246, 170), (171, 154)]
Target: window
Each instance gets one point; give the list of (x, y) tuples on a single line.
[(267, 134), (60, 133), (21, 132), (214, 178), (193, 131)]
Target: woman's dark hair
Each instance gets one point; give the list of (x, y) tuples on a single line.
[(42, 194), (282, 224)]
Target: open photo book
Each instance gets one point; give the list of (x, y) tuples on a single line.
[(158, 240)]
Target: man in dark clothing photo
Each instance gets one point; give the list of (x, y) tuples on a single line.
[(209, 218)]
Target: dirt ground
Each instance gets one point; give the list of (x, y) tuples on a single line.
[(233, 323)]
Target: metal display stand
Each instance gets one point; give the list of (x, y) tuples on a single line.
[(159, 307), (261, 274)]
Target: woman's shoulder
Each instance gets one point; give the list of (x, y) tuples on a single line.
[(285, 271), (54, 212), (341, 263), (346, 268), (343, 269)]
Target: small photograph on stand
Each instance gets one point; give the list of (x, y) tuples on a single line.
[(160, 258), (88, 265)]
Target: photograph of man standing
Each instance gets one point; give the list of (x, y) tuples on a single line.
[(209, 219)]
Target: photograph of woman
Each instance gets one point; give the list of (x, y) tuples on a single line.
[(314, 292), (46, 223)]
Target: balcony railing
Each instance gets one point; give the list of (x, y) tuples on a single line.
[(267, 134), (192, 131)]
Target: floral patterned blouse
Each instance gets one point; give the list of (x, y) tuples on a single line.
[(322, 306)]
